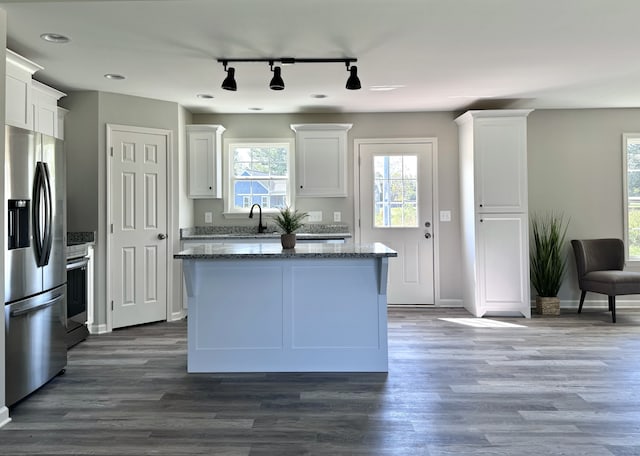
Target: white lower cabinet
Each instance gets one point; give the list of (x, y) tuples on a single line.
[(502, 264)]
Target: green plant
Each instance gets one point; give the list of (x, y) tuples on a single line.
[(289, 221), (548, 262)]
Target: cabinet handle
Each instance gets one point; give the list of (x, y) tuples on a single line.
[(210, 188), (301, 186), (481, 205), (481, 220)]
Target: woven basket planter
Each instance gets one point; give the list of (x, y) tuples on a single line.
[(548, 306)]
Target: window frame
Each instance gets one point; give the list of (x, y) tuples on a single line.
[(230, 211), (626, 138)]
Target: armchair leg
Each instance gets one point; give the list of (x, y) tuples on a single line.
[(612, 307), (584, 293)]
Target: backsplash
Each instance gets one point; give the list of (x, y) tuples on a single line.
[(236, 229)]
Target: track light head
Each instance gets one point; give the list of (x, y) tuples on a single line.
[(276, 82), (229, 82), (353, 83)]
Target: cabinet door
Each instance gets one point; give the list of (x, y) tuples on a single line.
[(501, 164), (18, 111), (321, 160), (205, 163), (503, 263)]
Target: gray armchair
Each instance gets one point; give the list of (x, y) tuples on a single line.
[(600, 264)]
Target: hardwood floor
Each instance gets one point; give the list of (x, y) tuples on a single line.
[(565, 385)]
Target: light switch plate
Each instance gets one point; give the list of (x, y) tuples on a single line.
[(337, 216), (208, 217), (314, 216), (445, 216)]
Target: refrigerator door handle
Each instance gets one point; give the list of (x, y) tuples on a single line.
[(42, 213), (36, 212), (48, 213), (17, 312)]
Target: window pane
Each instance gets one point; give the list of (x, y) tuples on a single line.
[(260, 175), (633, 197), (395, 192)]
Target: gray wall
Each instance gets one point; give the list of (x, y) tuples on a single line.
[(575, 166), (85, 133), (391, 125)]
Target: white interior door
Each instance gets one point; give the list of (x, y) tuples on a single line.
[(138, 246), (396, 208)]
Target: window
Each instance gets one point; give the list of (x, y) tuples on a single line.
[(395, 191), (631, 181), (259, 173)]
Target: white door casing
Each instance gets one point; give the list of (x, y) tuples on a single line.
[(137, 245), (412, 275)]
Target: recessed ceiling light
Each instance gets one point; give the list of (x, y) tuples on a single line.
[(385, 88), (204, 96), (318, 95), (255, 109), (55, 38), (114, 77)]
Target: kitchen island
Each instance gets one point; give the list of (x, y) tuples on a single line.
[(255, 307)]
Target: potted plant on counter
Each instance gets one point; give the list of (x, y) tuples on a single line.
[(548, 261), (289, 222)]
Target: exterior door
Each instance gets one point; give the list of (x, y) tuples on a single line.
[(138, 246), (396, 208)]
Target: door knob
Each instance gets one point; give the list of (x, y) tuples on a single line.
[(162, 236), (427, 235)]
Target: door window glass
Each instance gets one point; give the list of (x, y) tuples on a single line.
[(395, 190)]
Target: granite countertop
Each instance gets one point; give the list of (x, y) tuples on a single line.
[(310, 231), (78, 243), (252, 250)]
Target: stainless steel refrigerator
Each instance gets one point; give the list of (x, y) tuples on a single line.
[(35, 263)]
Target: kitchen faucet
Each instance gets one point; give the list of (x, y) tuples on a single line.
[(261, 228)]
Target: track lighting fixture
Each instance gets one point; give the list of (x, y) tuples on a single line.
[(229, 82), (353, 83), (277, 83)]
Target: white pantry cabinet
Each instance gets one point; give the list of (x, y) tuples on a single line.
[(494, 211), (321, 159), (204, 156)]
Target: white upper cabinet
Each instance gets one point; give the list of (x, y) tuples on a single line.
[(204, 155), (19, 112), (30, 104), (45, 109), (496, 152), (321, 159)]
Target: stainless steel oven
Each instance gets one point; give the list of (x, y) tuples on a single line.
[(76, 300)]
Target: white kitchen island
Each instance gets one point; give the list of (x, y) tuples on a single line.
[(258, 308)]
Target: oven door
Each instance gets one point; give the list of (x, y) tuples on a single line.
[(76, 300)]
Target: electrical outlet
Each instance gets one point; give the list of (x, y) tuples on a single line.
[(208, 217), (445, 216), (337, 216), (314, 216)]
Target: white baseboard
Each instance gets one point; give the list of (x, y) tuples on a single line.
[(450, 303), (97, 329), (175, 316), (4, 416)]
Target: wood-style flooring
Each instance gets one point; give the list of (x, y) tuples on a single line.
[(567, 385)]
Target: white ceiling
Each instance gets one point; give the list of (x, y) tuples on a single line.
[(448, 55)]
